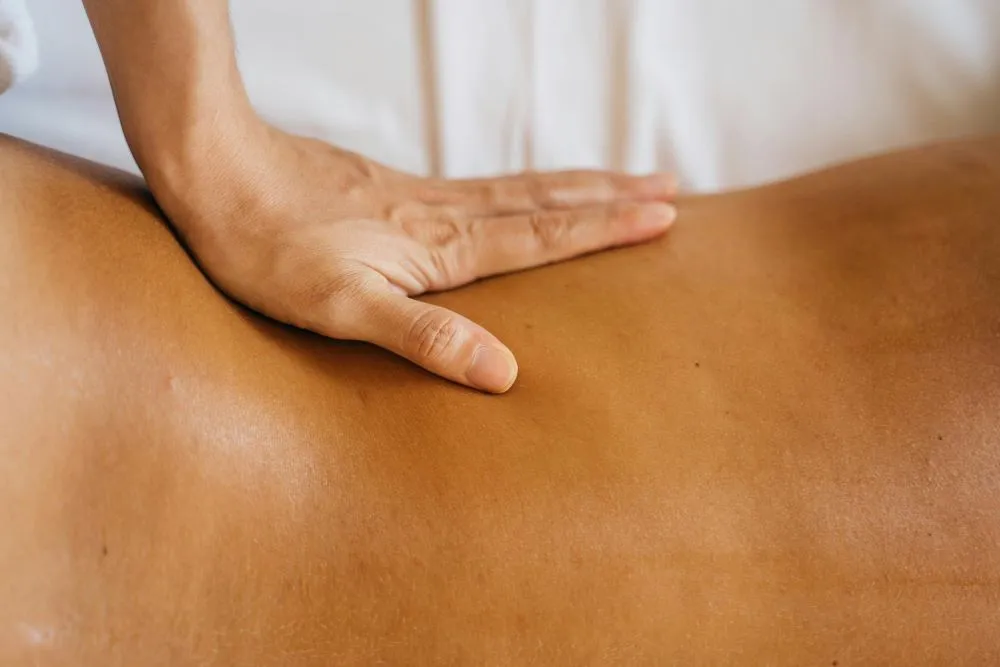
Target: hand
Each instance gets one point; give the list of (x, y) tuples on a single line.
[(327, 240)]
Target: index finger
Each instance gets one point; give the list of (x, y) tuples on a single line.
[(523, 193), (501, 245)]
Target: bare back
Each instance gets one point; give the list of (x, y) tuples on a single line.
[(773, 436)]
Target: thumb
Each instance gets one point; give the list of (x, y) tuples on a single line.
[(443, 342)]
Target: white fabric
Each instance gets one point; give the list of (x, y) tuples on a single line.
[(728, 93), (18, 48)]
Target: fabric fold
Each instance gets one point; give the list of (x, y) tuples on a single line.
[(18, 44)]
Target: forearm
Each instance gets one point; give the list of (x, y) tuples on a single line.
[(179, 94)]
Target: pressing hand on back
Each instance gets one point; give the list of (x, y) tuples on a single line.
[(330, 241), (325, 239)]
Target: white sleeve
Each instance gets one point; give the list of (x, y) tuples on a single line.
[(18, 44)]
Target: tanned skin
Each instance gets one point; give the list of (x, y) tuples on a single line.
[(772, 437)]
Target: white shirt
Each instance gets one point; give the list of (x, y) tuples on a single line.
[(727, 93)]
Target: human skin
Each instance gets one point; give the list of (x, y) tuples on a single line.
[(772, 437), (330, 240)]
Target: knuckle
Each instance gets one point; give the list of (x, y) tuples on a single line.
[(433, 336), (431, 228), (550, 230), (442, 268), (444, 231), (452, 265), (403, 213)]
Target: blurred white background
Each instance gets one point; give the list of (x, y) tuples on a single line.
[(728, 93)]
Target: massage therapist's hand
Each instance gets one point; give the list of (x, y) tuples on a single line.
[(325, 239), (330, 241)]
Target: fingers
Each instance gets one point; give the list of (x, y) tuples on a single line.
[(500, 245), (437, 339), (553, 190)]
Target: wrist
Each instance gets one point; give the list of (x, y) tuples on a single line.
[(201, 174)]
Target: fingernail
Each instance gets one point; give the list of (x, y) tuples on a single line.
[(657, 216), (492, 369)]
